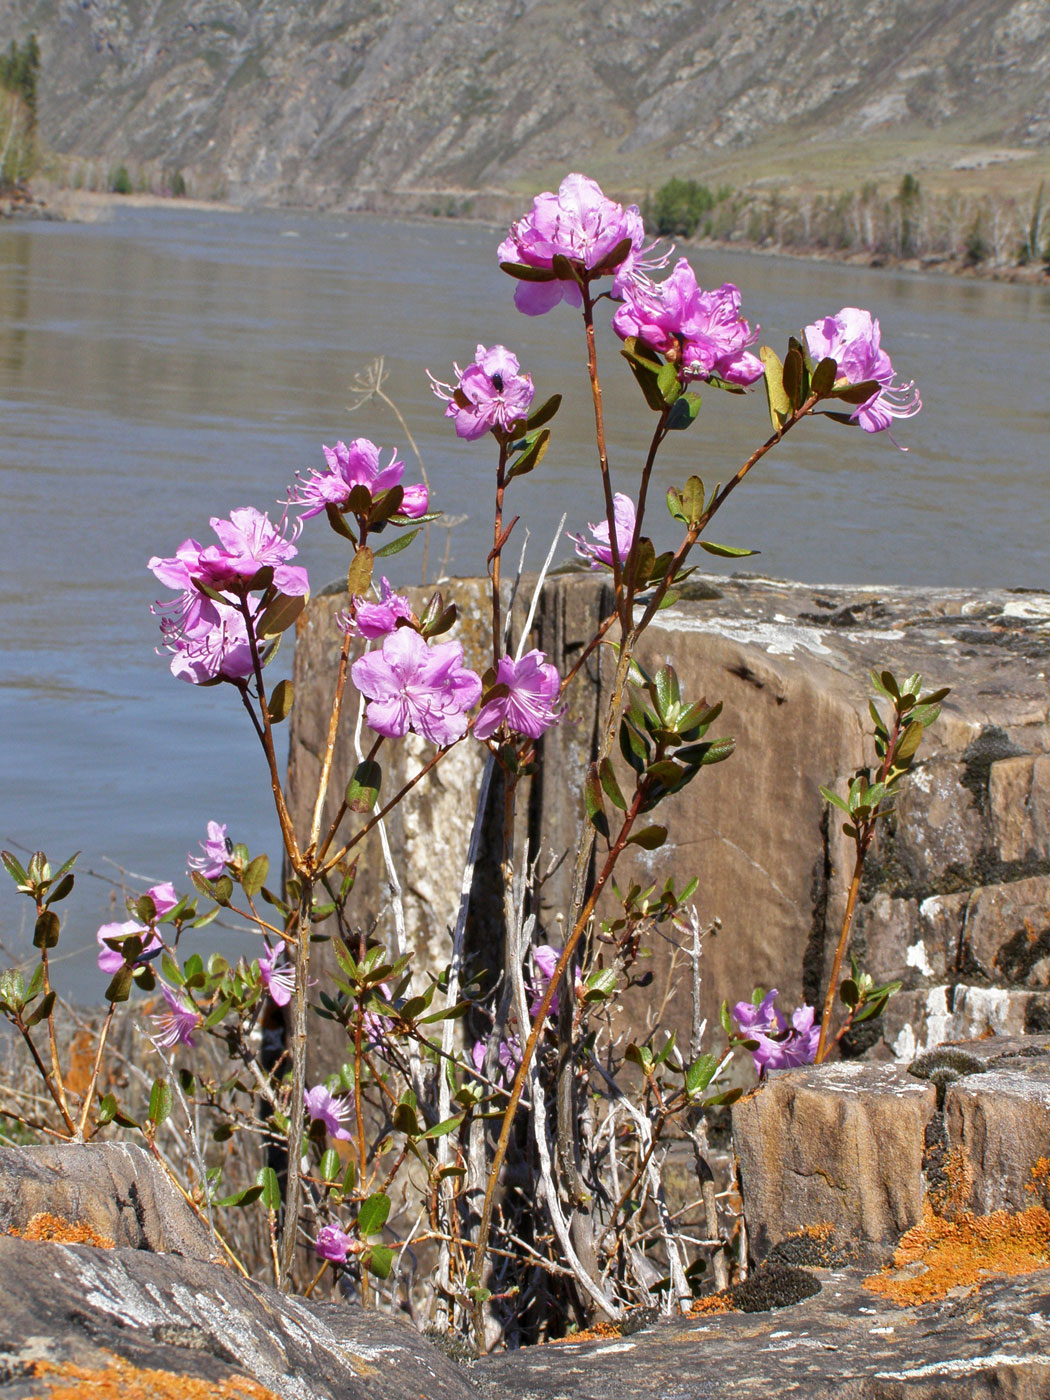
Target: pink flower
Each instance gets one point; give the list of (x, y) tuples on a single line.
[(208, 642), (415, 687), (779, 1046), (702, 332), (350, 466), (333, 1244), (376, 620), (600, 552), (324, 1107), (546, 958), (490, 394), (528, 707), (248, 542), (278, 981), (851, 338), (111, 960), (176, 1025), (217, 850), (509, 1055), (582, 225)]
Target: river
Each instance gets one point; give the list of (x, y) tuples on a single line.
[(167, 365)]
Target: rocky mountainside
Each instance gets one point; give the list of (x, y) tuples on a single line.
[(344, 103)]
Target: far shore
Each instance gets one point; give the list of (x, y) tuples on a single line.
[(96, 206)]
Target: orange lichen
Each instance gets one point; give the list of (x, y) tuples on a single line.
[(713, 1303), (52, 1229), (954, 1249), (600, 1332), (120, 1380)]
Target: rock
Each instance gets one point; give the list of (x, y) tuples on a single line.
[(840, 1146), (106, 1315), (844, 1343), (1001, 1121), (114, 1189), (956, 890)]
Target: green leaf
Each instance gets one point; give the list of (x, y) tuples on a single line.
[(378, 1260), (544, 413), (397, 544), (699, 1074), (834, 799), (614, 257), (119, 988), (668, 692), (331, 1165), (726, 551), (373, 1214), (254, 877), (223, 890), (385, 505), (565, 269), (46, 930), (60, 891), (794, 378), (42, 1011), (362, 791), (717, 751), (107, 1110), (241, 1198), (668, 383), (610, 785), (592, 797), (776, 397), (524, 273), (641, 1056), (339, 523), (266, 1177), (441, 1129), (823, 380), (279, 705), (908, 743), (849, 992), (693, 496), (14, 868), (646, 371), (683, 412), (857, 393), (925, 714), (359, 574), (161, 1099), (650, 838), (532, 455), (675, 506), (280, 615)]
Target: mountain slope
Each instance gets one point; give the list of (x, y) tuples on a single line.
[(340, 102)]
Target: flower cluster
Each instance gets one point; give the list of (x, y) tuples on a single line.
[(490, 395), (215, 852), (581, 224), (373, 621), (852, 338), (208, 638), (703, 333), (177, 1025), (349, 466), (779, 1046)]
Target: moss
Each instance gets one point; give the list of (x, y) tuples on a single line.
[(772, 1285), (814, 1247)]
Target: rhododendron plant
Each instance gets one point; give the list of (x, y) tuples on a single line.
[(583, 1094)]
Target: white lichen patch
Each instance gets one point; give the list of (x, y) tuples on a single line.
[(916, 957), (778, 638)]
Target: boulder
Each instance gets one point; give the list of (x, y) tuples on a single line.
[(108, 1320), (114, 1191), (844, 1343), (957, 886), (839, 1146)]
